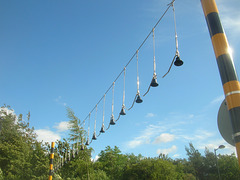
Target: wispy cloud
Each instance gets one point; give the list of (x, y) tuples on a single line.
[(230, 16), (62, 126), (168, 150), (145, 138), (159, 130), (214, 102), (174, 127), (198, 135), (203, 134), (136, 142), (217, 100), (176, 155), (59, 101), (46, 135), (149, 115)]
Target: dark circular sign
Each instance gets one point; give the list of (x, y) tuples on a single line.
[(224, 124)]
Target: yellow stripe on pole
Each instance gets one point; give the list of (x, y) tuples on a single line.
[(233, 101), (231, 86), (53, 144), (50, 178), (51, 166), (209, 6), (51, 156), (238, 151), (220, 44)]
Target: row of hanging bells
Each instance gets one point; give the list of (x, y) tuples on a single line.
[(176, 61)]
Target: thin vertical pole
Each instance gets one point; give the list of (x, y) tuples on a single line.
[(51, 161), (215, 152), (231, 85)]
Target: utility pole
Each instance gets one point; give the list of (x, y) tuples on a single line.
[(231, 85), (51, 161), (215, 152)]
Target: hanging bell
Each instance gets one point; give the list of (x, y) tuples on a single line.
[(94, 136), (178, 61), (122, 111), (87, 143), (102, 129), (139, 100), (82, 147), (154, 82), (112, 121)]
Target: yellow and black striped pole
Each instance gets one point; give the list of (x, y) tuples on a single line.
[(51, 161), (231, 85)]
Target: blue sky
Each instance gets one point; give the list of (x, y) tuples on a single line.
[(55, 54)]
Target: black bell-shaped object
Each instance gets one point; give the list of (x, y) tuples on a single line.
[(87, 143), (112, 121), (102, 129), (82, 147), (178, 61), (94, 136), (139, 100), (122, 111), (154, 82)]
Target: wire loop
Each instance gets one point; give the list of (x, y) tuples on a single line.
[(133, 103), (170, 66), (118, 118)]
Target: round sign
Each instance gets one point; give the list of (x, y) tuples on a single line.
[(224, 124)]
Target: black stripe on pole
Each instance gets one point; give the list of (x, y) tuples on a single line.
[(214, 24), (50, 172), (226, 68), (235, 114), (51, 161)]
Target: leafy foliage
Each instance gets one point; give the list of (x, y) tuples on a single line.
[(23, 157)]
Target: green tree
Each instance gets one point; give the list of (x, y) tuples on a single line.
[(196, 161), (210, 168), (151, 169), (229, 167), (77, 163), (113, 163), (21, 156)]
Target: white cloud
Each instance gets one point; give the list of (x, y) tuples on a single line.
[(46, 135), (149, 115), (176, 155), (62, 126), (95, 159), (167, 151), (163, 138)]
